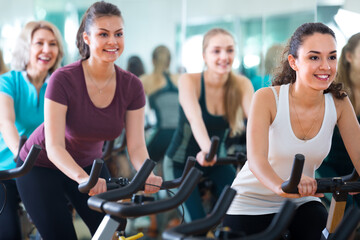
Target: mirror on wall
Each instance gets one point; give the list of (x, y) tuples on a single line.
[(255, 29), (260, 32)]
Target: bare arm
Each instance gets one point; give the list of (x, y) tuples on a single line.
[(259, 122), (350, 130), (190, 104), (135, 140), (247, 95), (54, 123), (7, 123)]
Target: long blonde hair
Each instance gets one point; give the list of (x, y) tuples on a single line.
[(21, 54), (232, 99)]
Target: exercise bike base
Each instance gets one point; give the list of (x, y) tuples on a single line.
[(106, 228)]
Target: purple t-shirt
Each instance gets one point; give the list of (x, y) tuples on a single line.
[(87, 126)]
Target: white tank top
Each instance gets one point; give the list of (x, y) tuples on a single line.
[(252, 197)]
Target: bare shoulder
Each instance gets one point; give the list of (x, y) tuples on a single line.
[(341, 105), (189, 79), (242, 80), (146, 80), (244, 84), (267, 93), (175, 78), (265, 99)]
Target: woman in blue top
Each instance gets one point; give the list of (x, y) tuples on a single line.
[(37, 54), (212, 102)]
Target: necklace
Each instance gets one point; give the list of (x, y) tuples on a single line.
[(106, 83), (297, 117)]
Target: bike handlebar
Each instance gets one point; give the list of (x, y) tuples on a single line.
[(124, 210), (94, 176), (290, 186), (354, 176), (25, 168), (96, 170), (137, 184), (238, 159), (277, 226), (213, 148), (324, 185), (205, 224), (22, 141)]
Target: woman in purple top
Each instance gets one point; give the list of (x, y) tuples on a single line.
[(86, 102)]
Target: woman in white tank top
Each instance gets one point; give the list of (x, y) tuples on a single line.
[(296, 115)]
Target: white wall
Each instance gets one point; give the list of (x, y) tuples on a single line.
[(149, 23)]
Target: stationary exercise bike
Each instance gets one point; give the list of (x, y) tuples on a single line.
[(339, 187), (115, 220), (26, 225), (195, 230), (206, 185)]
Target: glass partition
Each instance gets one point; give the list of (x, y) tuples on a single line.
[(255, 30)]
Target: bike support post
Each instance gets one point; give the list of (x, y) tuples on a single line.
[(336, 213), (106, 229)]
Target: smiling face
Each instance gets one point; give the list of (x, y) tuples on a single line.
[(316, 63), (105, 38), (44, 51), (219, 53)]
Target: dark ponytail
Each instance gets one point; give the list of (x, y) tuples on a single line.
[(97, 10)]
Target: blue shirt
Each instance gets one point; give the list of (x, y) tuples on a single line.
[(28, 106)]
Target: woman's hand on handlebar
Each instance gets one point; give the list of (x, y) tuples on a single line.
[(100, 187), (200, 158), (153, 184), (306, 187)]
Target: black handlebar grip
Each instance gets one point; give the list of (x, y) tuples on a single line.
[(176, 182), (213, 148), (278, 225), (25, 168), (203, 225), (354, 176), (22, 141), (290, 186), (107, 149), (130, 210), (94, 176)]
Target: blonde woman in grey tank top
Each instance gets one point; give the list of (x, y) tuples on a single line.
[(296, 115)]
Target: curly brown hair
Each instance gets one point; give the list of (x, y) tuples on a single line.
[(285, 74)]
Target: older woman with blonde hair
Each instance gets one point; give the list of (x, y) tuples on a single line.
[(37, 54)]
